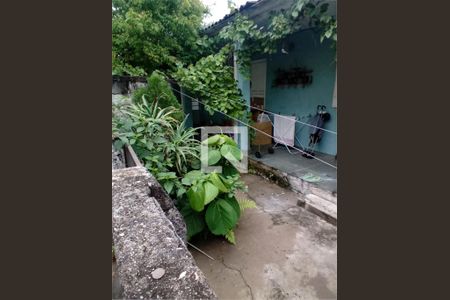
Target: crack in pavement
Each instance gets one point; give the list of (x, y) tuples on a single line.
[(242, 276)]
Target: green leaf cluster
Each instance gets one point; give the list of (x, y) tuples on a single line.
[(169, 150), (166, 147), (211, 79), (211, 204), (158, 89), (155, 34)]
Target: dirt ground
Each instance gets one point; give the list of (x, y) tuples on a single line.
[(282, 251)]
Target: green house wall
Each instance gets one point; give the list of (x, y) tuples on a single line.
[(305, 50)]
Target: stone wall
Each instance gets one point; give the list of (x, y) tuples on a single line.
[(123, 88), (126, 157), (118, 158), (125, 85), (149, 236)]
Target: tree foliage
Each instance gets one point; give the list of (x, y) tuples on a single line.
[(211, 79), (154, 34), (158, 89)]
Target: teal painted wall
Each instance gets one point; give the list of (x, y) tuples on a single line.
[(307, 52), (244, 85)]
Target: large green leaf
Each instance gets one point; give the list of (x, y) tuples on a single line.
[(211, 192), (220, 217), (229, 170), (212, 140), (221, 140), (231, 153), (195, 163), (194, 221), (217, 181), (181, 190), (196, 196), (235, 204), (229, 140), (213, 157), (168, 186), (225, 139), (191, 176)]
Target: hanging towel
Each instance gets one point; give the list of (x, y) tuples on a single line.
[(284, 129)]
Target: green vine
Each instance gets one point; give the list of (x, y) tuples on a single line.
[(211, 79), (250, 39)]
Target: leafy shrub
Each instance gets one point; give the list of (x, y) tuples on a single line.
[(158, 89), (170, 152), (167, 149), (212, 79), (210, 202), (122, 68)]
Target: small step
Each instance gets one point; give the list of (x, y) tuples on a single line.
[(327, 195), (321, 207)]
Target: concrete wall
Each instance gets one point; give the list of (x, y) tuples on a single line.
[(149, 238), (307, 52), (126, 85), (152, 259)]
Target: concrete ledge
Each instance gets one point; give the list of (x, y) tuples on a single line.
[(319, 206), (269, 173), (126, 158), (320, 202), (118, 159), (152, 260)]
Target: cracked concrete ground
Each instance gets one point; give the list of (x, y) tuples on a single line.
[(282, 251)]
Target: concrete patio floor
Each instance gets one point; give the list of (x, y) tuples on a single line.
[(282, 250), (298, 166)]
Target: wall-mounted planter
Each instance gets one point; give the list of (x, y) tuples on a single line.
[(131, 159), (124, 157), (294, 77)]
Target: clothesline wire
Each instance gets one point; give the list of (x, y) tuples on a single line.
[(282, 116), (271, 136), (285, 117)]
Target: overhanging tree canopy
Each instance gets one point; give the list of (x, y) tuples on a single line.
[(154, 34)]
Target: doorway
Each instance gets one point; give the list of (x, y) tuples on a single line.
[(258, 86)]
